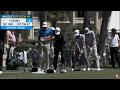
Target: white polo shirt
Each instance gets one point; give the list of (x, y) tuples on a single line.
[(113, 40)]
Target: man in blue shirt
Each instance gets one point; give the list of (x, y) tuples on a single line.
[(45, 36)]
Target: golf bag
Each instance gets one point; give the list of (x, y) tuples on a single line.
[(50, 71), (12, 64), (35, 60)]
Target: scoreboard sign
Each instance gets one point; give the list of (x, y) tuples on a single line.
[(16, 22)]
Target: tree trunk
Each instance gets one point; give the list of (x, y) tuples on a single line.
[(103, 31), (43, 17), (72, 18), (10, 12), (86, 20), (86, 23), (53, 23)]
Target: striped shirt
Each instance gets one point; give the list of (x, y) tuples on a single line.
[(44, 35)]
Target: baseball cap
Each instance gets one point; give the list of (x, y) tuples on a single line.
[(113, 29), (52, 28), (76, 32), (44, 24), (86, 30), (57, 30)]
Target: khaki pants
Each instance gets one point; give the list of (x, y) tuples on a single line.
[(44, 56), (94, 50)]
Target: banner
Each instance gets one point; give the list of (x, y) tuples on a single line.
[(15, 22)]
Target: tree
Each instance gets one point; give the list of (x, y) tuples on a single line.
[(86, 19), (54, 16), (71, 17), (43, 17), (103, 31)]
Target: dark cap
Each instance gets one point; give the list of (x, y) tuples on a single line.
[(113, 29)]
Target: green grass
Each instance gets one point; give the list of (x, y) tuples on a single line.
[(107, 73)]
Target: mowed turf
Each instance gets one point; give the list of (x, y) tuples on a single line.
[(107, 73)]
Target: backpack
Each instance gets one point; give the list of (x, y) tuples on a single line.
[(50, 71)]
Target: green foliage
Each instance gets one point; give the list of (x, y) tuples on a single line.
[(69, 33), (26, 45), (55, 16)]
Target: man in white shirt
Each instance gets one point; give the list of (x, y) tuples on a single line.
[(114, 43)]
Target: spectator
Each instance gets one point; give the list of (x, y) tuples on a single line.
[(11, 38), (114, 44), (11, 42)]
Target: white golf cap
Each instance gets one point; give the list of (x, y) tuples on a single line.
[(44, 24), (76, 32), (52, 28), (57, 30), (86, 30)]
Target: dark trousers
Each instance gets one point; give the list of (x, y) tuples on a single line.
[(1, 54), (114, 55), (56, 53), (1, 61), (68, 62), (77, 57), (72, 57)]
